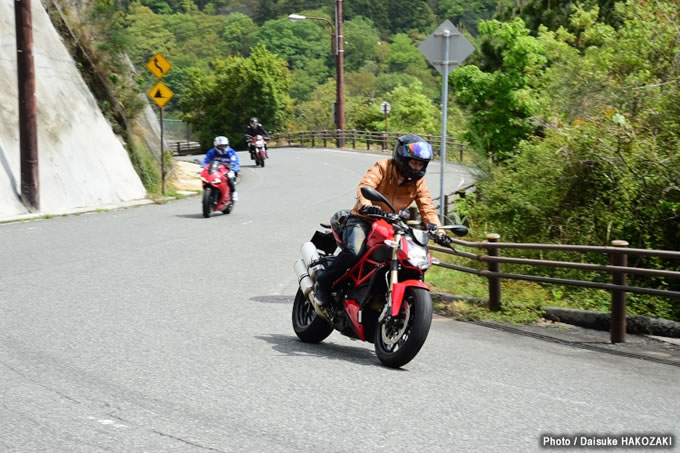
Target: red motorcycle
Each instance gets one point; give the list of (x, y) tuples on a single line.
[(216, 192), (258, 149), (382, 298)]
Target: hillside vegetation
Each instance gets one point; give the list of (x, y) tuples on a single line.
[(570, 109)]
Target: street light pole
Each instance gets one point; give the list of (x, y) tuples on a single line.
[(336, 42)]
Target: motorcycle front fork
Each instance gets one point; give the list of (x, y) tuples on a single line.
[(393, 279)]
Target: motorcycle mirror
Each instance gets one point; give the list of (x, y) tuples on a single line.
[(458, 230), (373, 195)]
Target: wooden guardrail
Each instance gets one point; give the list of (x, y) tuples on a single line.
[(183, 148), (618, 255), (356, 139)]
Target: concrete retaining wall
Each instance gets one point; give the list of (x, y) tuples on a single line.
[(82, 162)]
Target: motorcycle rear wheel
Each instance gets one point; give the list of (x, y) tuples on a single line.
[(207, 201), (309, 327), (398, 340)]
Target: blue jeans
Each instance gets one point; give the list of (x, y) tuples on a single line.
[(354, 236)]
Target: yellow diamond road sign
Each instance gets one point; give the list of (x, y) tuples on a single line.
[(160, 94), (158, 65)]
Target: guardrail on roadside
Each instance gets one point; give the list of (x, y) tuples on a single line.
[(183, 148), (356, 139), (618, 268)]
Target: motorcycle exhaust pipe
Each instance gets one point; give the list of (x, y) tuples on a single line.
[(309, 253), (304, 281), (306, 286), (310, 256)]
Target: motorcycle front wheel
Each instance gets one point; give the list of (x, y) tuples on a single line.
[(398, 340), (309, 327), (207, 201)]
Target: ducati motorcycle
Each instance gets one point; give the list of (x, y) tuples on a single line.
[(216, 192), (258, 149), (382, 298)]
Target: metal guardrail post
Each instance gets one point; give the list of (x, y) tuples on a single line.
[(494, 282), (179, 148), (325, 134), (446, 205), (384, 141), (288, 137), (313, 142), (368, 141), (354, 139), (618, 323)]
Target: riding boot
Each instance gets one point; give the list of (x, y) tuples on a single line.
[(326, 277)]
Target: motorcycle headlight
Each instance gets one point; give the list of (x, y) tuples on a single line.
[(418, 255)]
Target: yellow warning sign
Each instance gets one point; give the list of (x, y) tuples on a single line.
[(158, 65), (160, 94)]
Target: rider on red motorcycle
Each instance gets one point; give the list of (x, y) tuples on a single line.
[(255, 128), (225, 153), (401, 180)]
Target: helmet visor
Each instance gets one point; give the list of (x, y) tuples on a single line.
[(418, 150)]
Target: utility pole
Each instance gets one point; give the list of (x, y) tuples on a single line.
[(340, 77), (28, 112)]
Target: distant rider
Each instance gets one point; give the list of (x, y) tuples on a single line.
[(255, 128), (224, 153)]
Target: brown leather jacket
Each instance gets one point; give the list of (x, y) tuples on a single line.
[(383, 176)]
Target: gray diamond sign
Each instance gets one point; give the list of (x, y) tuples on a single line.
[(433, 48)]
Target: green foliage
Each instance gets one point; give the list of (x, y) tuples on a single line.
[(297, 42), (603, 164), (239, 34), (361, 40), (466, 13), (412, 111), (500, 102), (219, 102), (317, 112)]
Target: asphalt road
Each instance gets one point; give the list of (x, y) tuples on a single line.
[(152, 329)]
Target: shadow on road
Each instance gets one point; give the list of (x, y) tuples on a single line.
[(199, 215), (274, 299), (291, 346)]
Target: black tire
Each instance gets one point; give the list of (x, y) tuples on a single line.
[(229, 207), (308, 326), (262, 161), (207, 201), (404, 341)]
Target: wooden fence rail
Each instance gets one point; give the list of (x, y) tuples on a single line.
[(618, 256), (356, 139)]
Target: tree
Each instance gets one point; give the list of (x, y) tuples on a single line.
[(220, 102), (361, 40), (500, 103), (296, 42), (412, 111), (239, 34), (466, 14)]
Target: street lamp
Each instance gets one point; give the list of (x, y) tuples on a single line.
[(336, 42)]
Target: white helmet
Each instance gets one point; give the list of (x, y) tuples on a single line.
[(221, 140)]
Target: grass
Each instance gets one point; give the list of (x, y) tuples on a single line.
[(521, 302)]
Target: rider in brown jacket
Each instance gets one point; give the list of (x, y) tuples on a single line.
[(401, 180)]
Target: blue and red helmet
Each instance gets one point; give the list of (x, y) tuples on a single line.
[(411, 146)]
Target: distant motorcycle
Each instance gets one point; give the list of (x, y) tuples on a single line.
[(258, 149), (383, 298), (216, 192)]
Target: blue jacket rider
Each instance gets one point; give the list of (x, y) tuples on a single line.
[(224, 153)]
